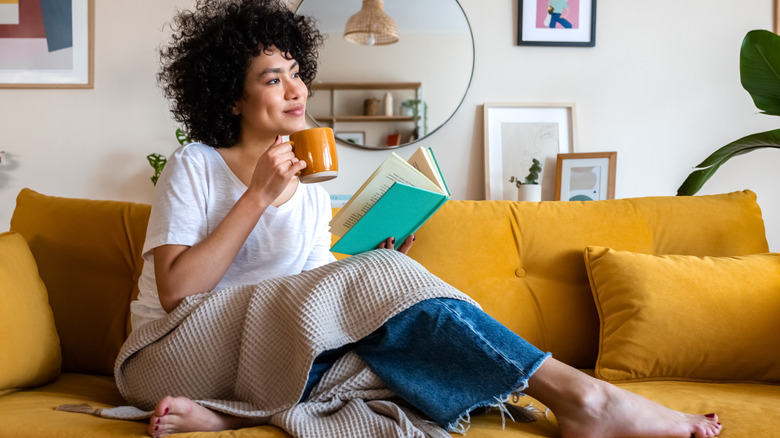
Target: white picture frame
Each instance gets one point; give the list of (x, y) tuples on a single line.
[(32, 62), (515, 133)]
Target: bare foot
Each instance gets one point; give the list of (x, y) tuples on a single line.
[(180, 414), (586, 407)]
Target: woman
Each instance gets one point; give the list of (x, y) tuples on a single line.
[(237, 73)]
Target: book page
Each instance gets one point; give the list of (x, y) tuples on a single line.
[(393, 169), (423, 161)]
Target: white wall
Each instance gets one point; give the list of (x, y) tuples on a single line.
[(661, 87)]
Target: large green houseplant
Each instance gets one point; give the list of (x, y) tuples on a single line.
[(759, 69)]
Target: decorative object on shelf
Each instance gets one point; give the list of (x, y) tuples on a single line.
[(759, 62), (393, 140), (529, 189), (371, 106), (556, 23), (388, 102), (517, 133), (353, 137), (411, 107), (65, 60), (586, 176), (371, 26)]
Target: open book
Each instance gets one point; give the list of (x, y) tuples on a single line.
[(395, 201)]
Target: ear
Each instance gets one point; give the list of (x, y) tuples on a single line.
[(236, 110)]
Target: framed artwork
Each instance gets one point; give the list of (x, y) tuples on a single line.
[(585, 176), (776, 14), (556, 23), (353, 137), (515, 134), (46, 43)]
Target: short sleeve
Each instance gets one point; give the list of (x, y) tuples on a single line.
[(179, 208)]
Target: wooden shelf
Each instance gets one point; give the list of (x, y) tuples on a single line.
[(366, 85), (329, 119), (355, 94)]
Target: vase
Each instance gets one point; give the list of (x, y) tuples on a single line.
[(371, 106), (388, 104), (529, 192)]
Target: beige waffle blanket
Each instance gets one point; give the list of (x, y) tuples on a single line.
[(247, 350)]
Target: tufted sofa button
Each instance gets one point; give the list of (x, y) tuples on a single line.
[(520, 272)]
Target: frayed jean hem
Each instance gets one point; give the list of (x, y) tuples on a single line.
[(462, 424)]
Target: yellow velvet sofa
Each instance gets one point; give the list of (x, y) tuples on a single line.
[(674, 298)]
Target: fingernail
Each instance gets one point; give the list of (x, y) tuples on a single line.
[(710, 415), (157, 422), (166, 411), (155, 428), (414, 238)]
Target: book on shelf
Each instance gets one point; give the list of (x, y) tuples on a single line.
[(393, 202)]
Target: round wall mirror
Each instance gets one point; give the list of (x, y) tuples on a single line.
[(390, 95)]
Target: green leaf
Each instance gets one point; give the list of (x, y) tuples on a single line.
[(182, 137), (703, 172), (759, 69)]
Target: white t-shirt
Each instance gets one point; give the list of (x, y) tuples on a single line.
[(195, 192)]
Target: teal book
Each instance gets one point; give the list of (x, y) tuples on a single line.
[(396, 200)]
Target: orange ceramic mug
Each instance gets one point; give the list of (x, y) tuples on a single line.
[(317, 147)]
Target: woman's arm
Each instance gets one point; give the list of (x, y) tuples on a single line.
[(181, 271)]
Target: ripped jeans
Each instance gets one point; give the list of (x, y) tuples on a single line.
[(445, 357)]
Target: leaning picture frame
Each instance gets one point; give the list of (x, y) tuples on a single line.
[(352, 137), (47, 44), (515, 134), (540, 23), (588, 176)]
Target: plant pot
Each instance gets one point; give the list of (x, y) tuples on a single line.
[(529, 192)]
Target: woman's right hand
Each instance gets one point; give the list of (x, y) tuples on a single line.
[(274, 170)]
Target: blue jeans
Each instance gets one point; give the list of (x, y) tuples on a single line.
[(445, 357), (556, 18)]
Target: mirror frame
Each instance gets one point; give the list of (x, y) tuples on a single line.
[(295, 7)]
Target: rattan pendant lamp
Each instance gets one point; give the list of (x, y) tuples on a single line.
[(371, 25)]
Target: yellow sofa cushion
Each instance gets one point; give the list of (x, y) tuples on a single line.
[(689, 318), (89, 257), (29, 346)]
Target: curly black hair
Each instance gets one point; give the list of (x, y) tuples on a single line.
[(205, 64)]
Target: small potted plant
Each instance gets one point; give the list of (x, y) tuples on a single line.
[(411, 107), (529, 189)]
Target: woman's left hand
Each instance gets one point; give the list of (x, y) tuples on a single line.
[(390, 244)]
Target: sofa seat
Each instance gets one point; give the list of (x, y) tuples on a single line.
[(31, 412)]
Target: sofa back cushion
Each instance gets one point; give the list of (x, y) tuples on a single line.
[(523, 261), (89, 257), (29, 347)]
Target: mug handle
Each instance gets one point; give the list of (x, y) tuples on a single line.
[(298, 173)]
